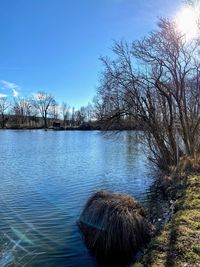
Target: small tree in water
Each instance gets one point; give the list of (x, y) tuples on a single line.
[(156, 82)]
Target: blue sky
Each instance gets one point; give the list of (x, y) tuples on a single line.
[(54, 45)]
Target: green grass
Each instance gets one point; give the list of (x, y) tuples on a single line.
[(179, 242)]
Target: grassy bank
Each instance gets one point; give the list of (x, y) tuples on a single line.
[(178, 244)]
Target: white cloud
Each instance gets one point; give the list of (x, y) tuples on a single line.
[(3, 95), (5, 85), (15, 93), (8, 85)]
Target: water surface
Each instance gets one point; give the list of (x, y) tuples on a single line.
[(46, 178)]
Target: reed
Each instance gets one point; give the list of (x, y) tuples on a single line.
[(114, 227)]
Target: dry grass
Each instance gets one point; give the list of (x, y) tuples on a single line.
[(178, 245), (189, 164), (114, 226)]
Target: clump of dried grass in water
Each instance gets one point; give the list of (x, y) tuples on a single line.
[(114, 227)]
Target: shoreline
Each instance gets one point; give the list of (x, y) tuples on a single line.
[(178, 242), (68, 129)]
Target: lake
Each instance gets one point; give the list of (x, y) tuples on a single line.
[(45, 180)]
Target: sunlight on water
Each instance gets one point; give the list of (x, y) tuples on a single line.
[(46, 177)]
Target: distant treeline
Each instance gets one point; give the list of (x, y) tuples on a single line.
[(42, 111)]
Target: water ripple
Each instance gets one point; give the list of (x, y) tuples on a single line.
[(46, 177)]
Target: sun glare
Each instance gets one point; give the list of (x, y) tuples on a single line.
[(187, 22)]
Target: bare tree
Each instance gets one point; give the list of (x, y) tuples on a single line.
[(156, 82), (65, 110), (4, 105), (44, 103), (73, 116), (54, 111), (79, 116), (22, 108), (89, 112)]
